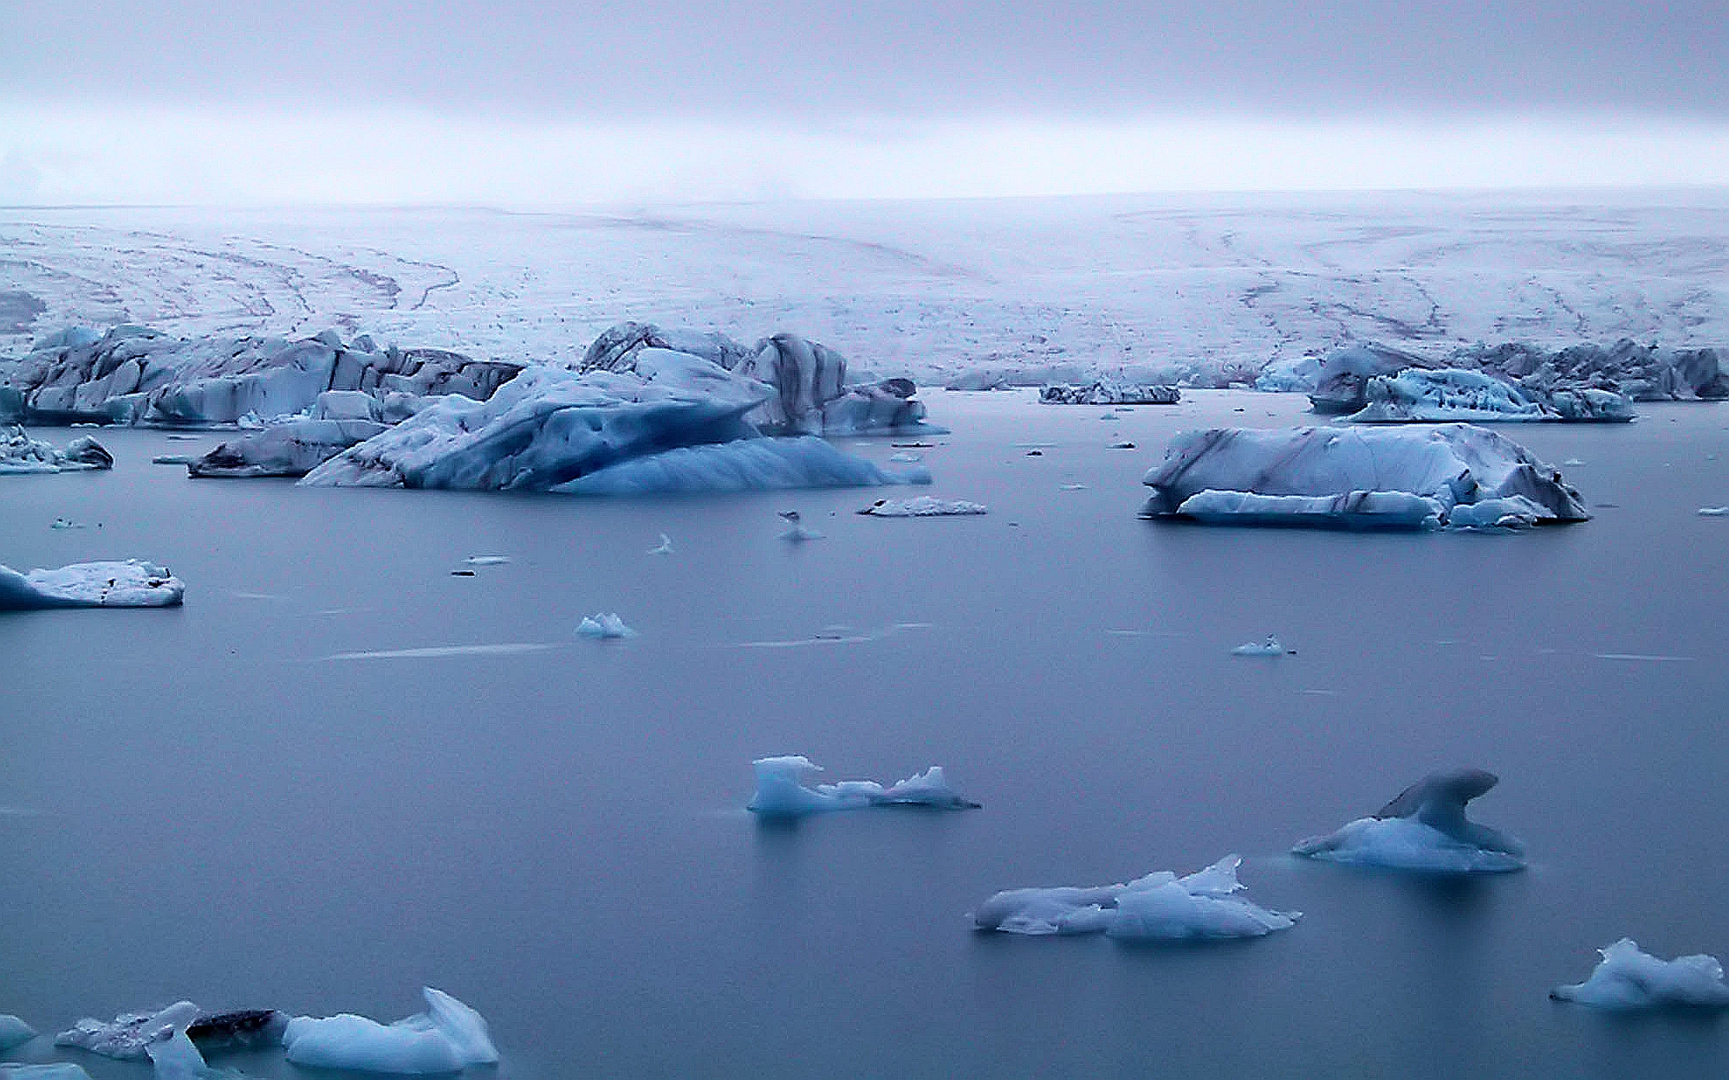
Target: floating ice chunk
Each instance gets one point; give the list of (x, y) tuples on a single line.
[(1158, 907), (739, 465), (20, 454), (128, 1036), (1350, 476), (781, 792), (1111, 392), (1714, 511), (1572, 463), (486, 560), (664, 547), (59, 1070), (14, 1032), (905, 457), (1425, 396), (797, 534), (1628, 978), (923, 506), (95, 584), (1270, 647), (448, 1037), (64, 523), (174, 459), (1425, 829), (606, 625)]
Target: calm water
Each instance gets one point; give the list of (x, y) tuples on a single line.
[(202, 803)]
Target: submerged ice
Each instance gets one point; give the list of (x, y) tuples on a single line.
[(448, 1037), (1424, 829), (132, 583), (1628, 979), (1158, 907), (782, 792)]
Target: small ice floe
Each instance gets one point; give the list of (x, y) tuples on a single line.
[(1628, 978), (1158, 907), (797, 534), (781, 792), (664, 547), (906, 457), (604, 626), (486, 560), (1123, 444), (174, 459), (1714, 511), (14, 1033), (1572, 463), (95, 584), (64, 523), (447, 1038), (1270, 647), (128, 1036), (923, 506), (184, 438), (1074, 487), (1425, 830)]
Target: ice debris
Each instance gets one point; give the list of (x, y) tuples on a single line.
[(19, 454), (923, 506), (447, 1038), (664, 547), (94, 584), (1270, 647), (486, 560), (1362, 477), (781, 792), (1628, 978), (128, 1036), (1111, 392), (604, 625), (1425, 830), (1714, 511), (14, 1032), (1158, 907)]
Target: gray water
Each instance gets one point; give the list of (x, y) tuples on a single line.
[(202, 803)]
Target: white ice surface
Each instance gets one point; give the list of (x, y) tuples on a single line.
[(1158, 907), (924, 506), (95, 584), (448, 1037), (127, 1036), (1629, 979), (1413, 466), (604, 625), (14, 1032), (782, 792)]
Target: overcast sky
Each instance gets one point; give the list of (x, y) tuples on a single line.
[(1235, 88)]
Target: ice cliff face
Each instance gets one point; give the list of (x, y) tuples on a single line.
[(132, 375), (1356, 477)]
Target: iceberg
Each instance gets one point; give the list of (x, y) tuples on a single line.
[(1158, 907), (923, 506), (1449, 394), (134, 375), (1630, 979), (290, 449), (1270, 647), (1358, 477), (1425, 830), (132, 583), (606, 625), (14, 1032), (766, 464), (128, 1036), (448, 1037), (662, 548), (1111, 392), (19, 453), (1342, 380), (781, 792), (176, 1058), (1624, 369)]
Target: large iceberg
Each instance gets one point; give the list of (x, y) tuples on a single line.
[(132, 583), (447, 1037), (781, 791), (1158, 907), (924, 506), (1628, 978), (1424, 829), (134, 375), (19, 453), (1354, 477), (1429, 396)]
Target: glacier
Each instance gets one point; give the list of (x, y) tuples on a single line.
[(19, 453), (448, 1037), (14, 1032), (132, 583), (1628, 979), (781, 791), (1158, 907), (1424, 829), (1357, 477)]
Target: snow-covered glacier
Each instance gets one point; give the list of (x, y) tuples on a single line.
[(1628, 979), (782, 792), (132, 583), (1158, 907), (135, 375), (19, 453), (1358, 477), (448, 1037), (1424, 829)]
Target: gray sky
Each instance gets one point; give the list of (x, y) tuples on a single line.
[(900, 76)]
